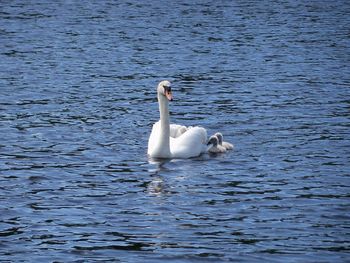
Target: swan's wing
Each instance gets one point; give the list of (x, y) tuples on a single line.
[(176, 130), (173, 129), (190, 144)]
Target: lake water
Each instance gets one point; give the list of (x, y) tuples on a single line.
[(77, 103)]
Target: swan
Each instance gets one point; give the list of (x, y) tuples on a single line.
[(176, 141), (216, 148), (226, 145), (190, 143)]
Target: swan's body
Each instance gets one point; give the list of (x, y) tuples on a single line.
[(185, 143), (189, 144)]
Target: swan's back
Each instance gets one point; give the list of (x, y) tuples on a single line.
[(190, 144)]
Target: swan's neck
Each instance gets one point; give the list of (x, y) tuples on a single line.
[(164, 140)]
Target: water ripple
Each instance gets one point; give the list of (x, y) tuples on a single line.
[(77, 101)]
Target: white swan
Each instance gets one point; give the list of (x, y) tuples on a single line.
[(191, 143), (177, 141), (216, 148), (226, 145)]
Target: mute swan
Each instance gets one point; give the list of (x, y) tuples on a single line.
[(226, 145), (177, 141), (216, 148), (189, 144)]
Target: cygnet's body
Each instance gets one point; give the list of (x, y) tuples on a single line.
[(216, 147), (226, 145)]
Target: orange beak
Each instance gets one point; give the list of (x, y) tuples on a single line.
[(169, 95)]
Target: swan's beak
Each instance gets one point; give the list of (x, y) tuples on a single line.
[(169, 95)]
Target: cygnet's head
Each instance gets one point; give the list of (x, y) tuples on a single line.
[(213, 140), (220, 137), (164, 89)]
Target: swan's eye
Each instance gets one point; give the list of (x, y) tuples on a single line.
[(167, 89)]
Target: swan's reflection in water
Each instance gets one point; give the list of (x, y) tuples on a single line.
[(171, 171), (157, 185)]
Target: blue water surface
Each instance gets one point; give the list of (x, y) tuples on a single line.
[(77, 103)]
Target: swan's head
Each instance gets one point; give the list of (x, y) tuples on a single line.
[(220, 137), (164, 89), (213, 140)]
